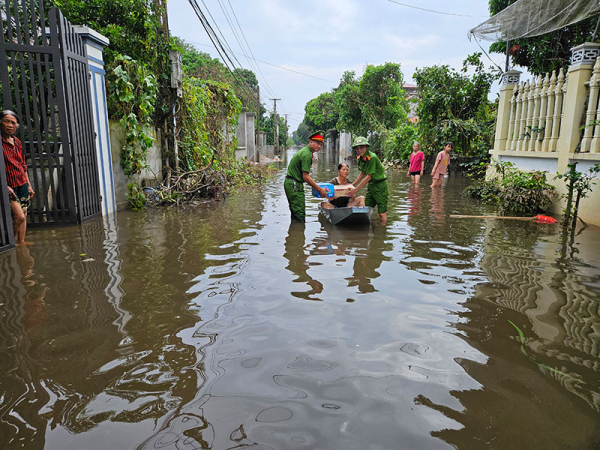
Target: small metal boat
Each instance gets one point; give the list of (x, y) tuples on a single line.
[(350, 215)]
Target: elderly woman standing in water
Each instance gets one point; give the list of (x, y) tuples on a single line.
[(416, 163), (340, 180), (19, 187)]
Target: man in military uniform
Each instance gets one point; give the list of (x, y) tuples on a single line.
[(373, 173), (298, 173)]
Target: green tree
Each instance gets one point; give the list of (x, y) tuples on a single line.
[(135, 30), (269, 129), (321, 113), (131, 25), (398, 143), (202, 66), (347, 97), (375, 102), (454, 107), (547, 52), (300, 136)]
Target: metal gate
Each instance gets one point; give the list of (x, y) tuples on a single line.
[(45, 80)]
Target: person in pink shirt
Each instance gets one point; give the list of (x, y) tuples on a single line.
[(441, 165), (416, 163)]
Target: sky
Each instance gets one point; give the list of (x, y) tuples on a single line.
[(301, 48)]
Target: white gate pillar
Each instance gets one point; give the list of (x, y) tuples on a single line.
[(95, 43)]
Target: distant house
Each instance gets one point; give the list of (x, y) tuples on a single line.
[(411, 94)]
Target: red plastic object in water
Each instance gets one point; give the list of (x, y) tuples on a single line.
[(544, 219)]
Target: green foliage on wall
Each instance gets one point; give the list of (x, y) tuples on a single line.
[(131, 97), (207, 117), (201, 65)]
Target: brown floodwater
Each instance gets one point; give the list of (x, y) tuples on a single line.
[(224, 326)]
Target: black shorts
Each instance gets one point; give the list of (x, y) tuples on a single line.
[(340, 202), (22, 193), (418, 172)]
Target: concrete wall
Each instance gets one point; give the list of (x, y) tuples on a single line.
[(345, 140), (245, 136), (147, 177), (267, 150)]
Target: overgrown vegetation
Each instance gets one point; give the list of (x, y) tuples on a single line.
[(131, 96), (398, 142), (138, 72), (207, 118), (242, 82), (454, 107), (514, 191)]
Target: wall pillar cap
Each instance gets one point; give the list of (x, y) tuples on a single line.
[(89, 34), (585, 54), (511, 77)]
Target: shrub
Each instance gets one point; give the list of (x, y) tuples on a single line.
[(487, 191), (398, 142), (515, 191), (526, 192)]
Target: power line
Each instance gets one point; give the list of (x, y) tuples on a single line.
[(252, 53), (275, 65), (431, 10), (236, 35), (219, 46)]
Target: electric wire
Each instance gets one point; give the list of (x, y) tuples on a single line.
[(251, 52), (239, 78), (275, 65), (488, 56), (432, 10), (220, 47), (236, 35)]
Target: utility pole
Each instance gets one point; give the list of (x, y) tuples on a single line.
[(287, 130), (257, 129), (275, 124)]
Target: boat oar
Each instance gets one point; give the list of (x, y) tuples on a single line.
[(539, 218)]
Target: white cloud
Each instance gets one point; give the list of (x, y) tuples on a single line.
[(324, 38)]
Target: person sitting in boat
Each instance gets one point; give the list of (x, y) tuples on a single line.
[(340, 180)]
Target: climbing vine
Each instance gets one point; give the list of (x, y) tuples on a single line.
[(131, 96), (207, 118)]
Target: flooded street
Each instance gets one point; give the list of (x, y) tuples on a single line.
[(224, 327)]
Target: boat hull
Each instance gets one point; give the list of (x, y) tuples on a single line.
[(350, 215)]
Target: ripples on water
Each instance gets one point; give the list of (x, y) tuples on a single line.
[(227, 327)]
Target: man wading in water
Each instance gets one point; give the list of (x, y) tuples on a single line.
[(19, 188), (298, 173), (372, 172)]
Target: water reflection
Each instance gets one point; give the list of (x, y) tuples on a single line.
[(297, 257), (191, 329)]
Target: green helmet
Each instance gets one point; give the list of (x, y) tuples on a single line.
[(360, 141)]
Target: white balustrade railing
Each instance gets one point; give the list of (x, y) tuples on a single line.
[(590, 143), (535, 113)]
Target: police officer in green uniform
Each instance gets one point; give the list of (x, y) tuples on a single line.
[(373, 173), (298, 173)]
